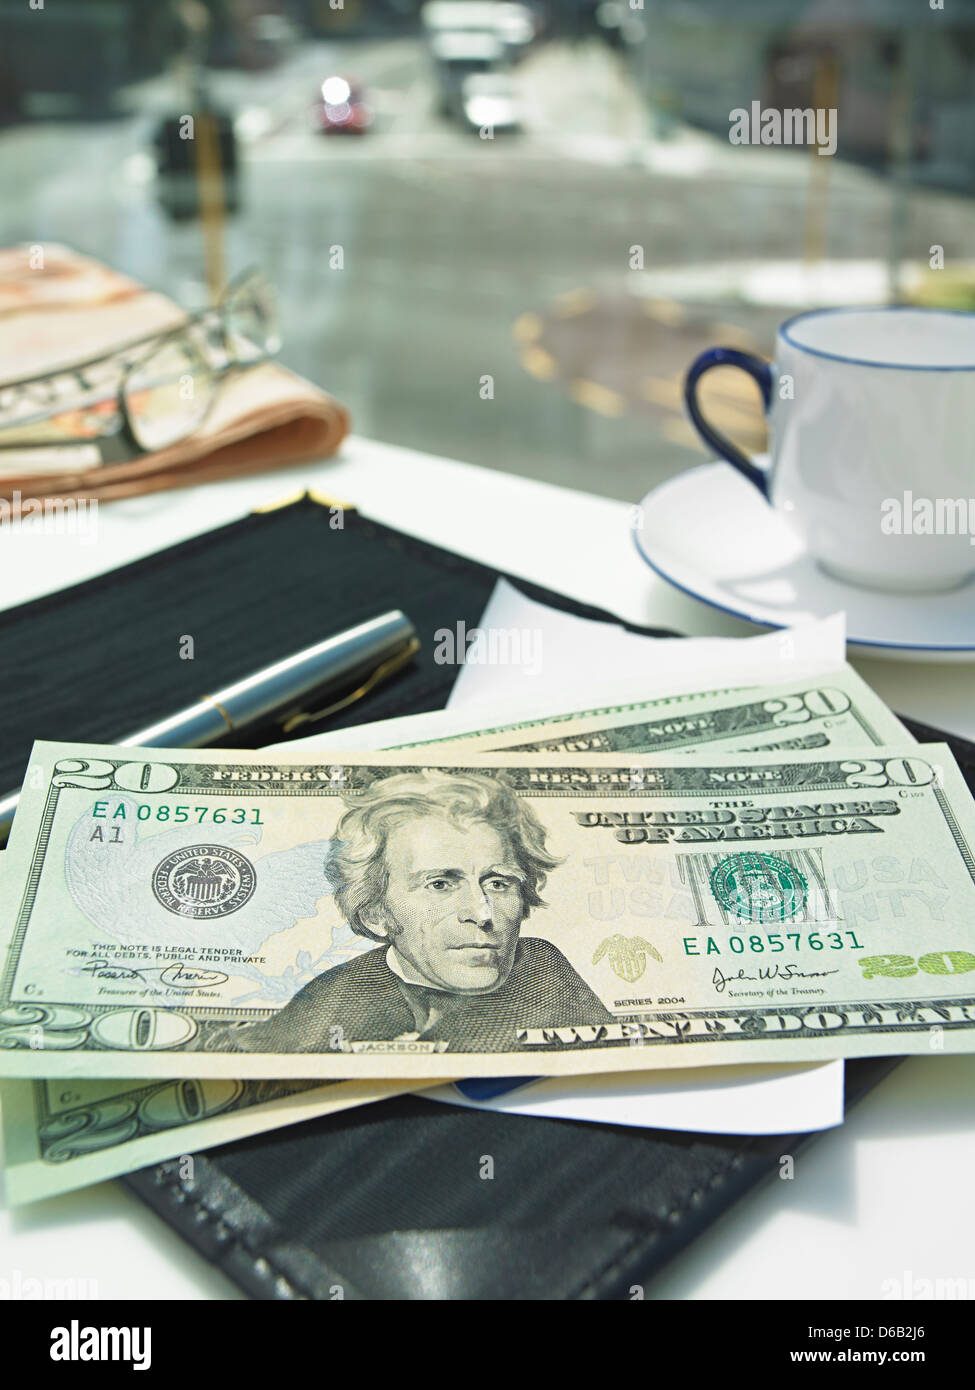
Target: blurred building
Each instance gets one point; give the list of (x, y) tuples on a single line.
[(77, 54), (901, 74)]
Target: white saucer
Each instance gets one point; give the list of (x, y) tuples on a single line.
[(710, 533)]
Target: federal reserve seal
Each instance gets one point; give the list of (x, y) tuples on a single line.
[(204, 881), (759, 887)]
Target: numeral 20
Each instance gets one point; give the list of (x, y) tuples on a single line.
[(96, 775)]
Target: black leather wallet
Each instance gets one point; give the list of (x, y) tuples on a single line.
[(395, 1200)]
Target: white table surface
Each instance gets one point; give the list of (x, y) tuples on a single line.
[(888, 1197)]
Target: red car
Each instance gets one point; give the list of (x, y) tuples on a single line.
[(341, 108)]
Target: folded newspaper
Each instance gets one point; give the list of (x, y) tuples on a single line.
[(58, 308)]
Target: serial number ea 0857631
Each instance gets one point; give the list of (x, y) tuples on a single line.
[(773, 942), (212, 815)]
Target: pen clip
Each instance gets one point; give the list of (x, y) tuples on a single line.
[(383, 671)]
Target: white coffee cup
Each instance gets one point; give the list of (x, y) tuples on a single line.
[(872, 422)]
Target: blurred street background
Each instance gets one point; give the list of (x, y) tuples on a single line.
[(500, 232)]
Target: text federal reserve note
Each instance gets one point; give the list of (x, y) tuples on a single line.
[(833, 710)]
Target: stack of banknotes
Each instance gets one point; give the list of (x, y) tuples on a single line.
[(199, 945)]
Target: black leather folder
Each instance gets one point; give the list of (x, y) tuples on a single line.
[(388, 1201)]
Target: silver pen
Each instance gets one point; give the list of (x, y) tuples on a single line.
[(279, 694)]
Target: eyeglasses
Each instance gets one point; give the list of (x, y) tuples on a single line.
[(146, 395)]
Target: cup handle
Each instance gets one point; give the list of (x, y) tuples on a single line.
[(761, 372)]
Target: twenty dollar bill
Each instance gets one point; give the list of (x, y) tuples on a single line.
[(60, 1135), (523, 914), (835, 710)]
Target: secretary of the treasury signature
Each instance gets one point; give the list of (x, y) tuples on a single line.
[(769, 972)]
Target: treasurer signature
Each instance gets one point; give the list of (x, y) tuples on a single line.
[(769, 972), (176, 975)]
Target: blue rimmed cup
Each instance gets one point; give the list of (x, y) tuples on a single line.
[(872, 427)]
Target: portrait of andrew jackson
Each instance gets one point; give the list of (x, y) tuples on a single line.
[(440, 869)]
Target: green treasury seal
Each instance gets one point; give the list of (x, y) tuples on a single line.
[(759, 887)]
